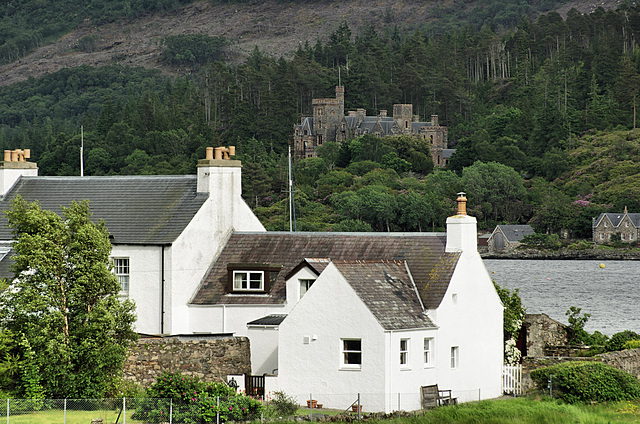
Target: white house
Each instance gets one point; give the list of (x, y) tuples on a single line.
[(165, 230), (377, 314), (336, 314)]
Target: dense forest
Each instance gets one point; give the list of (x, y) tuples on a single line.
[(540, 110)]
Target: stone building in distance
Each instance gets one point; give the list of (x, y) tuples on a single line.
[(329, 123)]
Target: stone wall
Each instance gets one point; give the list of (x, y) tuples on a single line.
[(209, 358), (543, 332), (626, 360)]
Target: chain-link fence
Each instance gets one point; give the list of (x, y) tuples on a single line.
[(130, 410)]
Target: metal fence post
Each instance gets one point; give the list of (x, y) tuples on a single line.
[(65, 410), (124, 410), (217, 409), (359, 417), (170, 410), (7, 411), (310, 407)]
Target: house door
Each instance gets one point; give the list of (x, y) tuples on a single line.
[(254, 385), (498, 241)]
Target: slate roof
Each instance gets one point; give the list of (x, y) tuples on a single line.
[(514, 232), (274, 320), (430, 266), (136, 209), (385, 287), (616, 218)]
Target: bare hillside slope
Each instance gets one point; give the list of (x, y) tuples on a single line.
[(275, 27)]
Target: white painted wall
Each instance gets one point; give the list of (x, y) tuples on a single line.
[(329, 312), (229, 318), (470, 317), (264, 349), (293, 284), (11, 171), (145, 282), (202, 240)]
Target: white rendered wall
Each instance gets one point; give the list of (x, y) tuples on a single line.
[(229, 318), (470, 317), (293, 285), (200, 243), (328, 313), (264, 349), (145, 283), (10, 173)]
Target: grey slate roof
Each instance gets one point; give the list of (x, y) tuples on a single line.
[(430, 266), (515, 232), (136, 209), (386, 289)]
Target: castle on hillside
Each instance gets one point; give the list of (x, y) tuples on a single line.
[(329, 123)]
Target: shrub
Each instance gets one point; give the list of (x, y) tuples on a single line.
[(541, 241), (631, 344), (282, 405), (619, 339), (192, 400), (575, 382)]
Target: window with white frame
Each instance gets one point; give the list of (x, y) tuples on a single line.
[(428, 351), (455, 356), (305, 285), (351, 353), (248, 280), (122, 271), (404, 352)]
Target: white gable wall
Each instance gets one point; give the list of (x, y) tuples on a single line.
[(203, 238), (329, 312), (264, 349), (470, 317)]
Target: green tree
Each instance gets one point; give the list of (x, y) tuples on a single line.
[(64, 301)]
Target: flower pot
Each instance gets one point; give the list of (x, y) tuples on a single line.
[(354, 408), (312, 403)]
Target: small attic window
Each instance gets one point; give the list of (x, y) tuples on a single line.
[(251, 277)]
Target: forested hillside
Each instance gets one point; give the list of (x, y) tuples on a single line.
[(540, 110)]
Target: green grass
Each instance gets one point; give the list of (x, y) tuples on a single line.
[(73, 417), (522, 411)]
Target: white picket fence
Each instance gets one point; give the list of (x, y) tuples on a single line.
[(512, 379)]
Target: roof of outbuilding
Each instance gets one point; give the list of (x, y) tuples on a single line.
[(515, 232), (430, 266), (386, 289), (270, 320), (136, 209)]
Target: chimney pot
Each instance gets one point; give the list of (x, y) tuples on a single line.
[(209, 153), (462, 203), (7, 155)]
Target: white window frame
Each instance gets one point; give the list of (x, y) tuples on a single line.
[(428, 349), (455, 357), (305, 285), (122, 270), (351, 353), (404, 353), (246, 284)]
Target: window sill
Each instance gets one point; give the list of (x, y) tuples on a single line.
[(350, 369), (248, 293)]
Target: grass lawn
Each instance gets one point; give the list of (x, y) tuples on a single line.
[(73, 417)]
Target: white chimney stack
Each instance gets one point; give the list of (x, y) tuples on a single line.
[(462, 231), (14, 166)]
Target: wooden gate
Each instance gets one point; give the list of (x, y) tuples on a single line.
[(254, 385)]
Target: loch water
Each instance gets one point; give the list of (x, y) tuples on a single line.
[(610, 294)]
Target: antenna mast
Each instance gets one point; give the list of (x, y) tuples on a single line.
[(81, 151)]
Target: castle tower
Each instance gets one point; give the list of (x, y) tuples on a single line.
[(403, 116)]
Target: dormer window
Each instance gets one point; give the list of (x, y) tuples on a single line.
[(251, 278), (248, 281)]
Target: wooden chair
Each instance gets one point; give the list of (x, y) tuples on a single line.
[(432, 397)]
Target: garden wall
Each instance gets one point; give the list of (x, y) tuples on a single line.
[(211, 358)]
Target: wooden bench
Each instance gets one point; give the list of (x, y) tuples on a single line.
[(432, 397)]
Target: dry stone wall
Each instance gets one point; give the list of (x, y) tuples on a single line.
[(210, 359), (626, 360)]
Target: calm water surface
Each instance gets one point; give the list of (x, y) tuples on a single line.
[(611, 294)]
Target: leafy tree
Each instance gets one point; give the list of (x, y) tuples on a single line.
[(577, 333), (64, 302)]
